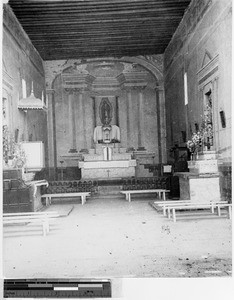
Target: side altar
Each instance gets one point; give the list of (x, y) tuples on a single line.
[(201, 183), (107, 159)]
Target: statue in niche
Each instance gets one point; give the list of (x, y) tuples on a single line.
[(106, 133), (208, 121)]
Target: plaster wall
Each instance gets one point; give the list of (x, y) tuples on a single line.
[(21, 61), (203, 35)]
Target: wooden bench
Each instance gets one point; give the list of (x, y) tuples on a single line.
[(192, 206), (83, 196), (30, 217), (168, 205), (160, 192), (188, 203), (228, 205), (165, 204)]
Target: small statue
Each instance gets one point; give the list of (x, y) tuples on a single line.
[(106, 134)]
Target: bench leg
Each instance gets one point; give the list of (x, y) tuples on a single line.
[(47, 226), (44, 227), (164, 196), (212, 208), (230, 212), (174, 215), (218, 211), (48, 201), (82, 199), (164, 210), (129, 197), (168, 213)]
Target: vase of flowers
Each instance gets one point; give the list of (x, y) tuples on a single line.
[(195, 144), (207, 130), (13, 153)]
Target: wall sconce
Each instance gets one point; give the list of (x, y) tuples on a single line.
[(222, 118)]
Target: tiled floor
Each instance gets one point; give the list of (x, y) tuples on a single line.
[(114, 238)]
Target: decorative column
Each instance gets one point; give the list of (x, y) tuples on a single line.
[(52, 146), (117, 110), (158, 126), (216, 121), (72, 120), (94, 119), (201, 102), (141, 119), (82, 109), (129, 112), (94, 112), (160, 101)]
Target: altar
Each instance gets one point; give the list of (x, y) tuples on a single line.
[(107, 159), (107, 169)]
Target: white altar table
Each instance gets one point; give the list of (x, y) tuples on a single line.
[(107, 169)]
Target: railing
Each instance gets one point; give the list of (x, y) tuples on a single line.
[(71, 186), (146, 183)]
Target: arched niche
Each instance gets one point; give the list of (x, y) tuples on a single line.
[(153, 64), (128, 95)]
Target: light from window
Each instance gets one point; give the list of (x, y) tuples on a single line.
[(24, 91), (185, 89)]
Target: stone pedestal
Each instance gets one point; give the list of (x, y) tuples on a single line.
[(199, 188), (207, 163), (201, 183)]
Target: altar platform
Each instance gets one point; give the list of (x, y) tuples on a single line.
[(201, 183), (107, 161), (107, 169)]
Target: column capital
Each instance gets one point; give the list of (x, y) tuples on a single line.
[(50, 91), (130, 88), (159, 88), (72, 90), (140, 88)]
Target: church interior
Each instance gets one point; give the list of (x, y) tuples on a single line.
[(107, 100)]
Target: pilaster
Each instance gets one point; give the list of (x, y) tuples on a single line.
[(141, 129), (161, 114), (51, 129), (72, 118)]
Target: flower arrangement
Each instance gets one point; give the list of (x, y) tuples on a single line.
[(19, 156), (207, 130), (12, 152), (196, 141), (203, 137), (5, 144)]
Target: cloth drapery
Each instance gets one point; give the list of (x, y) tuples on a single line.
[(114, 133)]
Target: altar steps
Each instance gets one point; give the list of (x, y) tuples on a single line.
[(109, 190), (107, 197), (143, 171)]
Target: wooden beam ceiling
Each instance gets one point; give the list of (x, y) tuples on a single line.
[(76, 29)]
